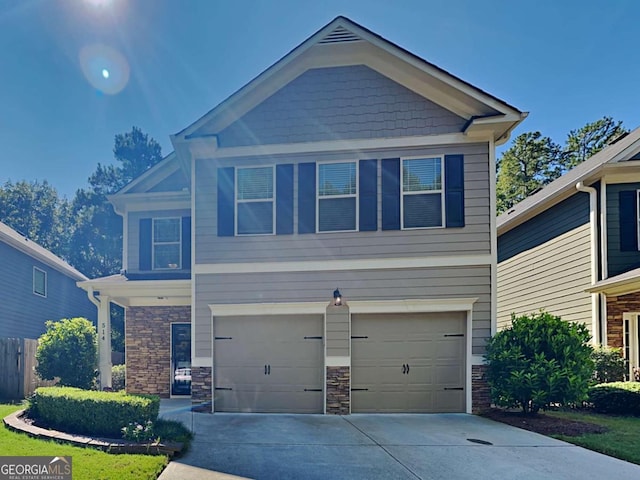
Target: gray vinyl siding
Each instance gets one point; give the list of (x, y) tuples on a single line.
[(175, 182), (618, 261), (24, 313), (545, 263), (473, 239), (338, 103), (388, 284), (133, 237), (337, 338)]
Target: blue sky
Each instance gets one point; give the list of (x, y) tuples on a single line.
[(566, 62)]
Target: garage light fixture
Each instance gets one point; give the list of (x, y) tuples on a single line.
[(337, 298)]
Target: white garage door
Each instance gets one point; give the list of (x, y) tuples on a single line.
[(269, 364), (413, 363)]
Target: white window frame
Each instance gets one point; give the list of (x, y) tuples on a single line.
[(422, 192), (631, 341), (638, 219), (238, 201), (325, 197), (39, 270), (153, 243)]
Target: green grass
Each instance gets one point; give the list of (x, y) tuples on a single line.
[(621, 441), (88, 464)]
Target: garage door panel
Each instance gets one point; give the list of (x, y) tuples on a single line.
[(433, 346), (265, 364)]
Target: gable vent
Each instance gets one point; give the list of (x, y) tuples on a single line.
[(340, 35)]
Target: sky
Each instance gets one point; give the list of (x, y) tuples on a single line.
[(74, 73)]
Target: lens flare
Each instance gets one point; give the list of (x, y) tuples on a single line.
[(105, 68)]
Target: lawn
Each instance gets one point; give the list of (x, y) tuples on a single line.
[(622, 440), (88, 464)]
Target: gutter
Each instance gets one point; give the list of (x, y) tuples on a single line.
[(593, 224)]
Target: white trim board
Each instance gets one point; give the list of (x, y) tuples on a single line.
[(343, 265), (204, 149), (242, 309)]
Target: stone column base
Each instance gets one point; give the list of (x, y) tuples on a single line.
[(201, 392), (338, 390), (480, 391)]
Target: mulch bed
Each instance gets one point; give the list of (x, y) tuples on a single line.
[(544, 424)]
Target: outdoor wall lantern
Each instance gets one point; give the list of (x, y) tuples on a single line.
[(337, 298)]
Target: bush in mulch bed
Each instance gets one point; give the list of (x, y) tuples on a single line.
[(544, 424)]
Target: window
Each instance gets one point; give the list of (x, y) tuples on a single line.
[(39, 282), (637, 219), (337, 195), (422, 187), (167, 248), (254, 201)]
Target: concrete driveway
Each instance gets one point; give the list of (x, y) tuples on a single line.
[(445, 446)]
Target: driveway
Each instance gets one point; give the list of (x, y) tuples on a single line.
[(444, 446)]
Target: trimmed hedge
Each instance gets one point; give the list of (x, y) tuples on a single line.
[(616, 397), (89, 412)]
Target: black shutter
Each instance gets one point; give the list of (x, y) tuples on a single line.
[(284, 199), (454, 190), (226, 202), (368, 195), (186, 243), (145, 239), (628, 220), (307, 198), (391, 194)]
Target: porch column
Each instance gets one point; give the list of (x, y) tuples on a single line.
[(338, 359), (104, 342)]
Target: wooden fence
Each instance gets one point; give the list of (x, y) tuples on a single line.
[(18, 377)]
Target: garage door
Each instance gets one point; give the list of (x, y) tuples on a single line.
[(412, 363), (269, 364)]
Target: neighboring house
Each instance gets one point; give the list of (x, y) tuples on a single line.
[(349, 167), (36, 286), (573, 249)]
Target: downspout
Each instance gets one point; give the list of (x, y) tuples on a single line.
[(104, 338), (593, 224)]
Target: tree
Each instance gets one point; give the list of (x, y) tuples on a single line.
[(529, 164), (35, 210), (68, 350), (590, 139), (539, 360)]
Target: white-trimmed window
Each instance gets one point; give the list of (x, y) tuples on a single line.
[(167, 243), (255, 201), (638, 216), (39, 282), (422, 192), (337, 197)]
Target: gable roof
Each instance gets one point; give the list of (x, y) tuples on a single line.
[(561, 188), (29, 247), (344, 42)]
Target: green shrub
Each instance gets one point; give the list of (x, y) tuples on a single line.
[(172, 431), (89, 412), (540, 360), (68, 350), (118, 373), (609, 365), (616, 397)]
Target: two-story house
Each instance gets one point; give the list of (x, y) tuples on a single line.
[(36, 286), (321, 241), (572, 249)]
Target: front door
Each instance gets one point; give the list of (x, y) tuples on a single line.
[(180, 359)]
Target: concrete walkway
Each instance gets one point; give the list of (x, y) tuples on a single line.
[(448, 446)]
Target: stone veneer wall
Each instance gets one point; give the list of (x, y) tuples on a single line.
[(148, 349), (480, 391), (338, 390), (201, 380), (616, 306)]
